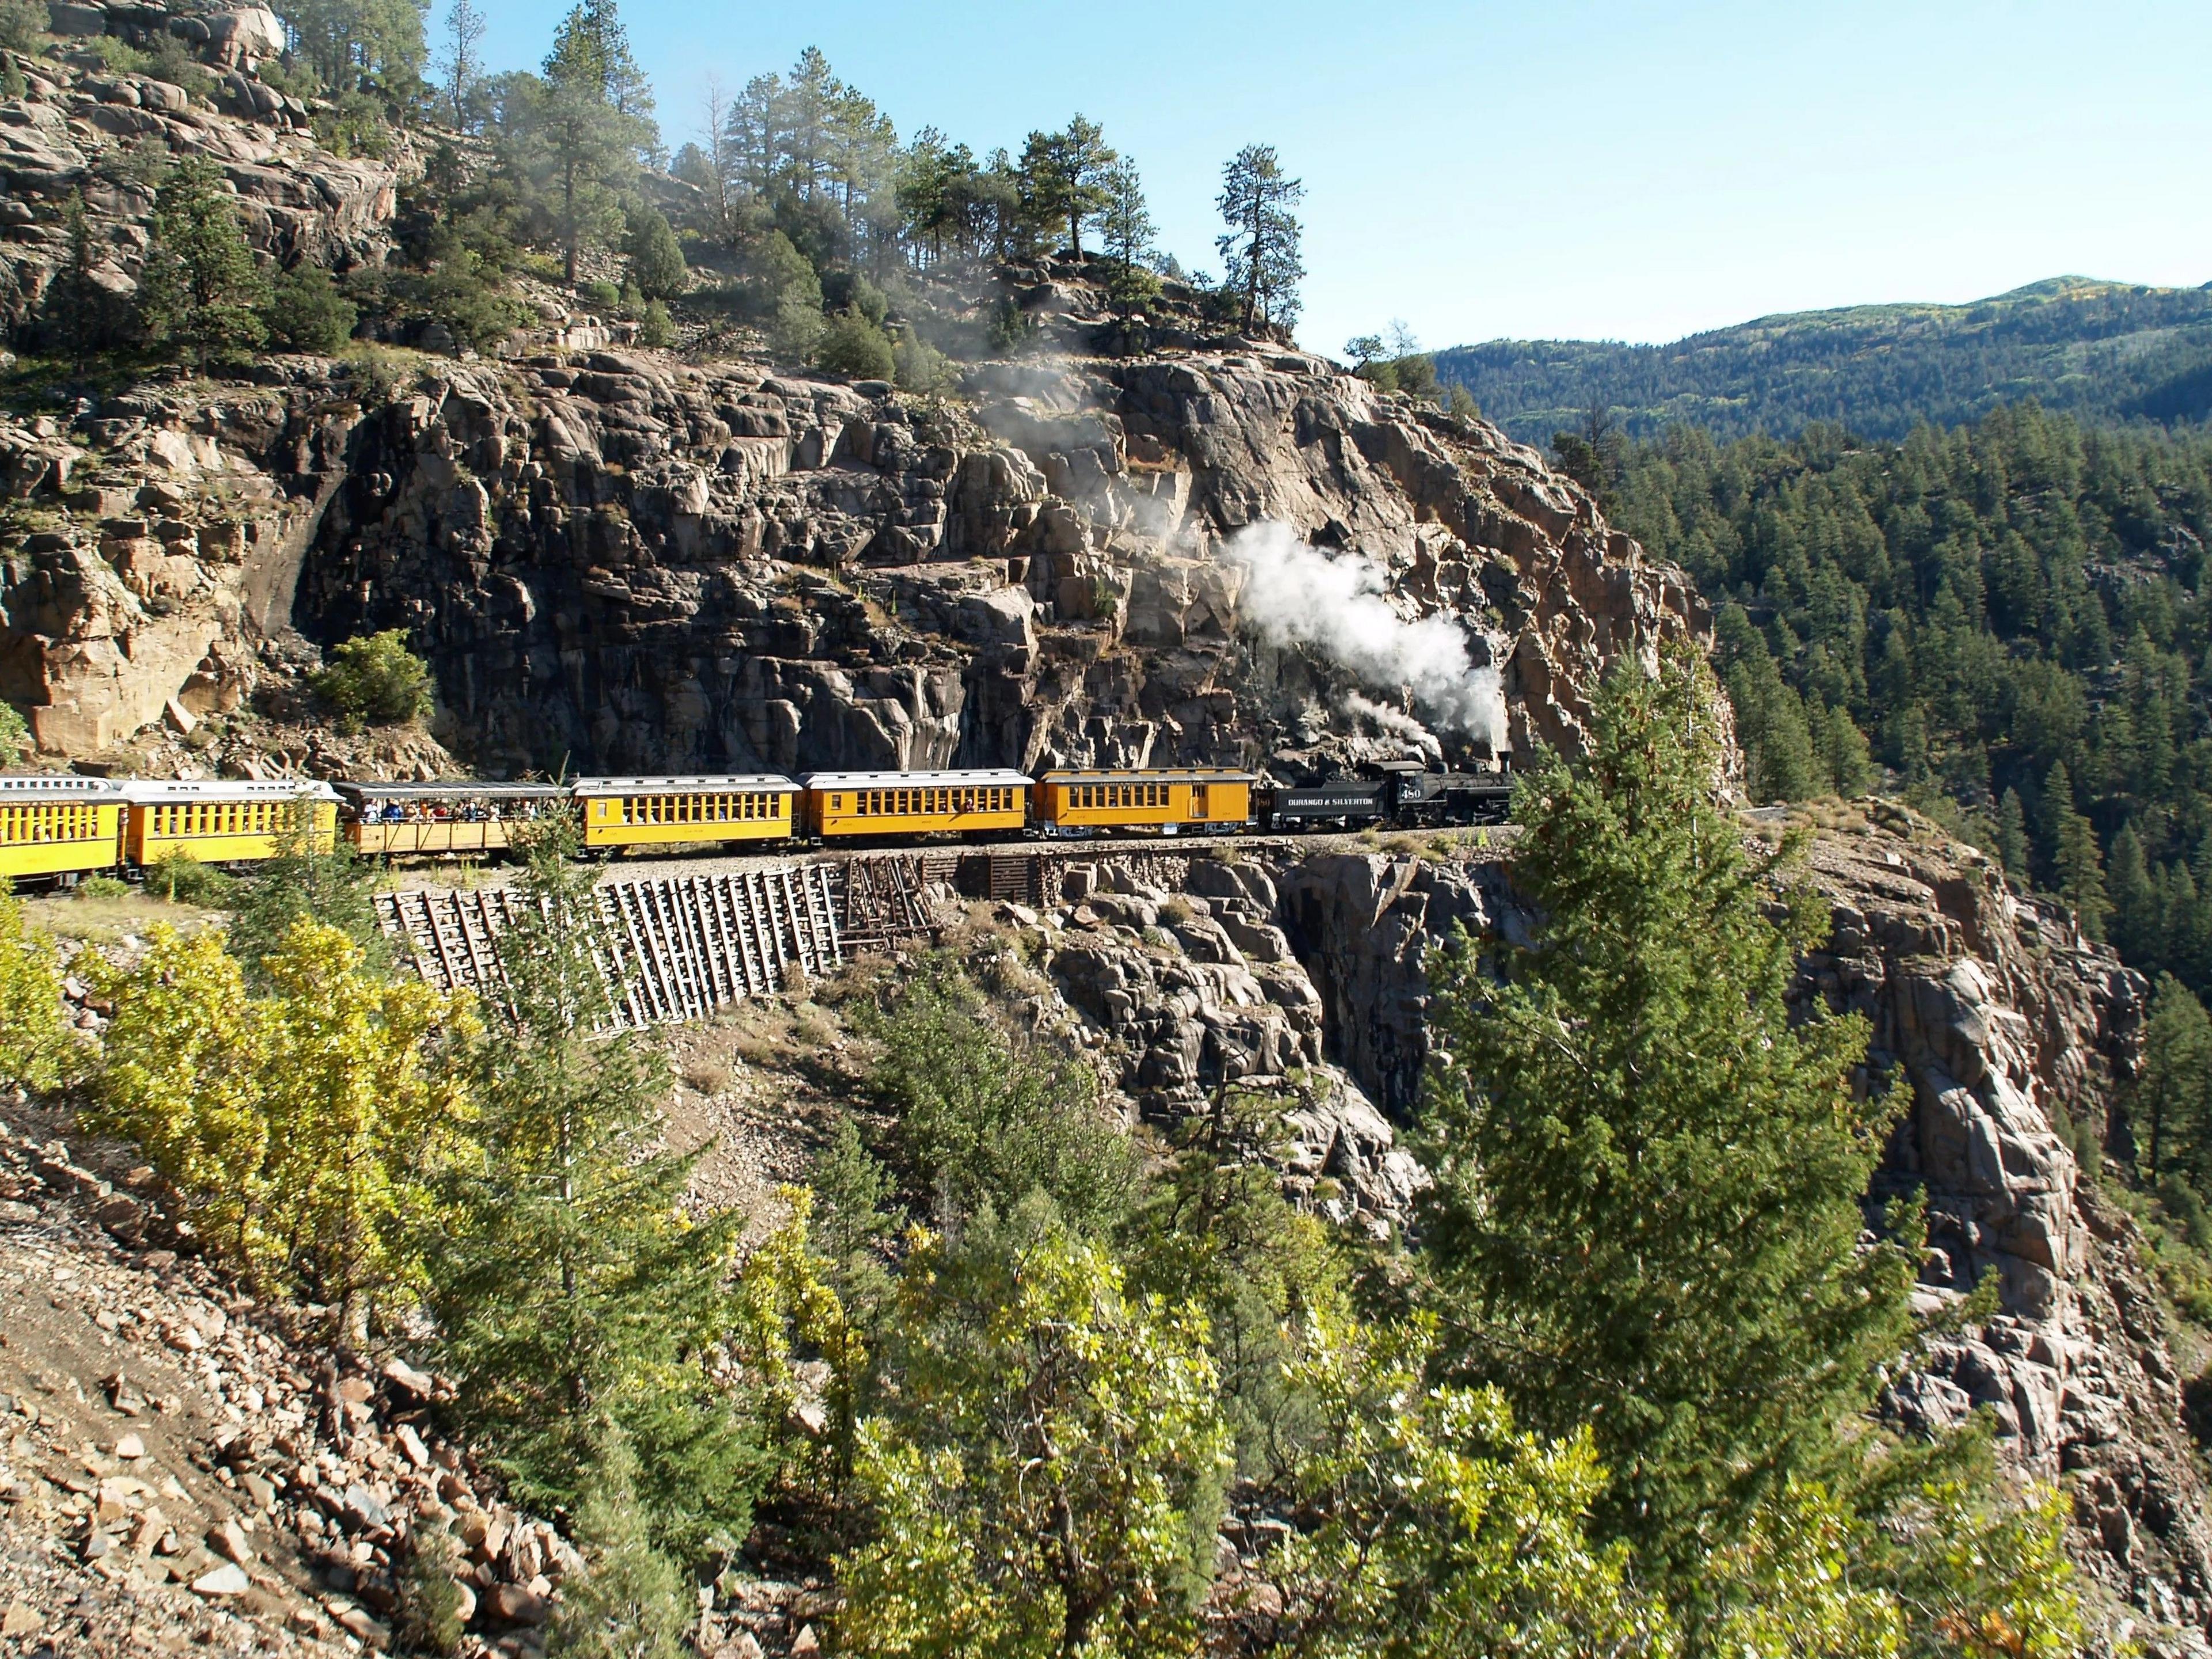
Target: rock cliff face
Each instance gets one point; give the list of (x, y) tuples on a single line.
[(80, 132), (2009, 1029), (629, 563), (642, 565)]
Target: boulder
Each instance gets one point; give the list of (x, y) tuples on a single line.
[(247, 34), (75, 18)]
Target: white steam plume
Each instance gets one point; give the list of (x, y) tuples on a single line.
[(1396, 721), (1299, 595)]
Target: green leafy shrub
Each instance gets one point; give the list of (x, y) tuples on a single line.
[(307, 312), (101, 887), (603, 296), (377, 680), (456, 285), (654, 329), (920, 367), (795, 330), (22, 25), (35, 1049), (777, 272), (180, 878), (850, 290), (853, 346), (428, 1616), (986, 1120), (14, 736), (656, 263)]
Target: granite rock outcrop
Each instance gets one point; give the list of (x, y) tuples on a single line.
[(632, 563)]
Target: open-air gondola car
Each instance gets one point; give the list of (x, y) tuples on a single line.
[(456, 820)]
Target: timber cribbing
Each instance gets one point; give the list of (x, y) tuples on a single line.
[(682, 946), (676, 948)]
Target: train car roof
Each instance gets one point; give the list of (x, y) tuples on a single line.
[(1155, 774), (67, 785), (149, 790), (456, 787), (913, 779), (728, 783)]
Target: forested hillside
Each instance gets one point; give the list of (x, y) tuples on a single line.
[(2010, 614), (2105, 351)]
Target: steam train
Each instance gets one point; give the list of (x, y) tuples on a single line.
[(57, 828)]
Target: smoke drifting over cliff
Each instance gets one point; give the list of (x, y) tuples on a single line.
[(1337, 606)]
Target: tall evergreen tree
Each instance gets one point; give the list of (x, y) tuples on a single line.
[(200, 292), (2077, 867), (577, 133), (629, 1603), (1646, 1215), (348, 40), (1070, 176), (461, 66), (2172, 1099), (81, 312), (1126, 224), (314, 875), (2012, 835), (1261, 251), (571, 1289)]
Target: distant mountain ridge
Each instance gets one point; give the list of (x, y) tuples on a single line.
[(2105, 351)]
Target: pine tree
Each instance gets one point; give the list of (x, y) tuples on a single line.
[(80, 311), (1259, 253), (200, 294), (314, 875), (2077, 868), (629, 1602), (1127, 228), (2172, 1099), (577, 133), (1069, 176), (347, 40), (571, 1288), (1646, 1214), (2137, 928), (656, 262), (2012, 835), (462, 66)]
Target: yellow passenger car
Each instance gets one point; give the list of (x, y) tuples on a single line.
[(662, 811), (58, 825), (231, 821), (441, 820), (1166, 803), (914, 803)]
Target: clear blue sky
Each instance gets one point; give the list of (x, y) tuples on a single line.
[(1560, 167)]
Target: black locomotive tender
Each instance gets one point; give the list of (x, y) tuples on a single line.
[(1401, 794)]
